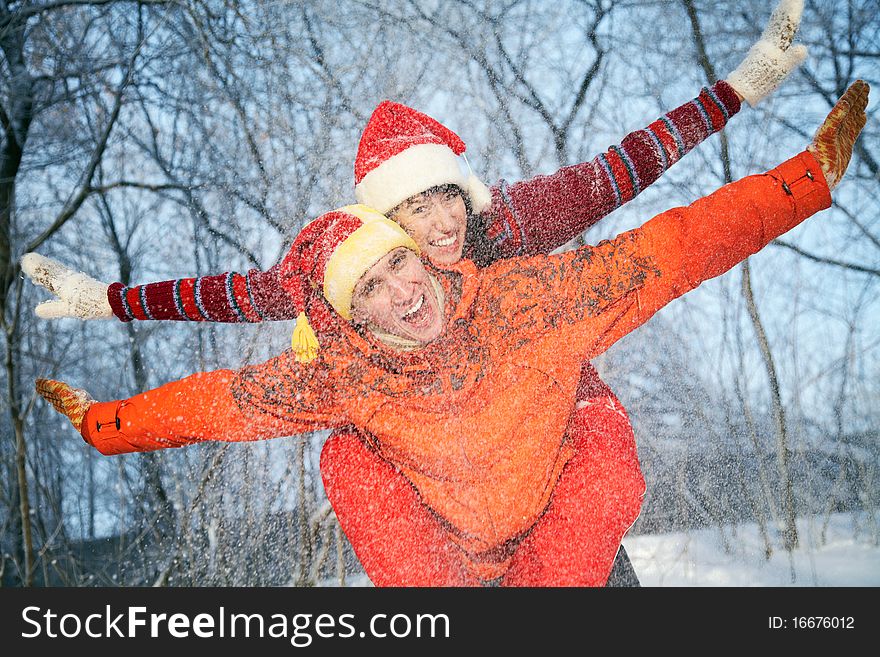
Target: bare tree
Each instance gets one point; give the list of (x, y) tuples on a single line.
[(151, 140)]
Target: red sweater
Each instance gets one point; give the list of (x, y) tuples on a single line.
[(525, 218)]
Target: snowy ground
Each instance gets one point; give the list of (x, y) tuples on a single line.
[(849, 556)]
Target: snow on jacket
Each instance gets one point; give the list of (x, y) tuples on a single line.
[(476, 419)]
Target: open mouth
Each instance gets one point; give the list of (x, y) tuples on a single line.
[(418, 314), (445, 242)]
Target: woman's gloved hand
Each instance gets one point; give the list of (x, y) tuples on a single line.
[(772, 58), (79, 295)]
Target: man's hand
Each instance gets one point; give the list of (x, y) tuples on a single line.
[(72, 402), (772, 58), (833, 144), (79, 295)]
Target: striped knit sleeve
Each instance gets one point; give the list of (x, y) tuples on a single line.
[(230, 297), (543, 213)]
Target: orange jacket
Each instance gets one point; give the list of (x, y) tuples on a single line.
[(477, 419)]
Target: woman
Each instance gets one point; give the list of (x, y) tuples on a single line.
[(423, 360)]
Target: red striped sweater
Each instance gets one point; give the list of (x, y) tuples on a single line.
[(526, 218)]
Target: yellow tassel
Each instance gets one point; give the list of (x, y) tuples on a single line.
[(304, 341)]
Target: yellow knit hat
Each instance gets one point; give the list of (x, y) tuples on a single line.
[(331, 254)]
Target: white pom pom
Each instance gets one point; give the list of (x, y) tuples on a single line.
[(481, 197)]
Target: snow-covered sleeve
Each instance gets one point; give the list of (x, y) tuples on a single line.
[(230, 297), (280, 397), (589, 298), (543, 213)]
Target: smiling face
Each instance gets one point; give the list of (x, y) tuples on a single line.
[(396, 296), (436, 220)]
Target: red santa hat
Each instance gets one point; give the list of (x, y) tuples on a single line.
[(330, 255), (403, 153)]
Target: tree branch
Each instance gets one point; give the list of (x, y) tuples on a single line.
[(23, 13), (699, 42), (152, 187), (74, 204), (827, 261), (591, 73)]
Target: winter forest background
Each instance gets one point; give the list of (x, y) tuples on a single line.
[(153, 139)]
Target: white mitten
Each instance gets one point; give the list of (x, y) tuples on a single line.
[(79, 295), (772, 58)]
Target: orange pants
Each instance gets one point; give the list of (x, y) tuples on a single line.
[(401, 542)]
